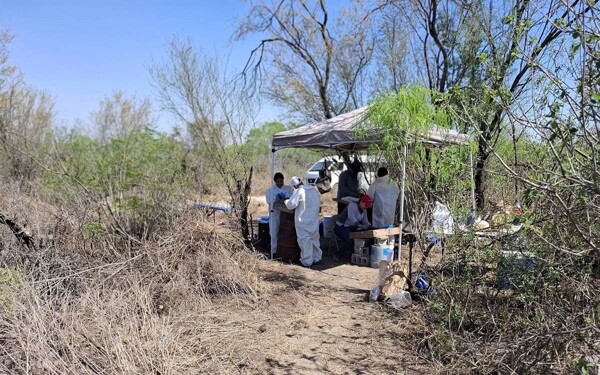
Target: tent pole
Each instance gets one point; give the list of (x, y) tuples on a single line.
[(273, 166), (272, 180), (402, 202), (472, 181)]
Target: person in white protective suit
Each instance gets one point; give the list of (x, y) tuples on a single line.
[(279, 191), (384, 193), (306, 201)]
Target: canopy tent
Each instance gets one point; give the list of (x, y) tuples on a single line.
[(340, 133)]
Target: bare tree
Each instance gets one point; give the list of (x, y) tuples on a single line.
[(391, 53), (562, 114), (26, 117), (484, 53), (217, 112), (119, 115), (6, 70), (315, 65)]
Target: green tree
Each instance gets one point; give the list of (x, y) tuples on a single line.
[(258, 140), (136, 179)]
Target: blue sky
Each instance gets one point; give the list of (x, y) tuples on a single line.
[(80, 51)]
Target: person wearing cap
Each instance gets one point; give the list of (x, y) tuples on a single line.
[(353, 217), (306, 201), (348, 183), (277, 191), (384, 194)]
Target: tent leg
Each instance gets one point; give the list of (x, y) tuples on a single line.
[(401, 219), (272, 180), (472, 182)]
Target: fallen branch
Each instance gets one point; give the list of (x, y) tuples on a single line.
[(18, 230)]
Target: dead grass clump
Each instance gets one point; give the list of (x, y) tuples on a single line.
[(181, 302), (118, 331), (495, 313), (29, 211), (211, 257)]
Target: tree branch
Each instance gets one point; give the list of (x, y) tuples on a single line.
[(18, 230)]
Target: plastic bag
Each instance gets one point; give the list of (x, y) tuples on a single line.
[(421, 284), (399, 300), (471, 217), (442, 219), (374, 294)]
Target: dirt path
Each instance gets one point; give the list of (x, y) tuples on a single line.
[(322, 324)]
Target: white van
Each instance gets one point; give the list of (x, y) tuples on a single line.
[(336, 165)]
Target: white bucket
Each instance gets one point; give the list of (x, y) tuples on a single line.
[(328, 226), (380, 240), (391, 240), (359, 243), (381, 252)]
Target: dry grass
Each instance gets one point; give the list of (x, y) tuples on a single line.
[(120, 331), (80, 306)]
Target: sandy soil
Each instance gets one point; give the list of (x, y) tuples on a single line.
[(319, 322), (322, 324)]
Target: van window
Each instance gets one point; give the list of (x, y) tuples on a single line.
[(317, 166)]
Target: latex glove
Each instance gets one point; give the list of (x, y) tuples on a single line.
[(281, 196)]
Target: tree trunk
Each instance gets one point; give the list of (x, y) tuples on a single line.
[(325, 102), (480, 164), (430, 176), (18, 230), (244, 200)]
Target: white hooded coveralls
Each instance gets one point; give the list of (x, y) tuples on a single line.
[(384, 193), (306, 201), (274, 215)]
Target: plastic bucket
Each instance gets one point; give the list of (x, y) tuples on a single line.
[(381, 252), (328, 225), (359, 243), (264, 235)]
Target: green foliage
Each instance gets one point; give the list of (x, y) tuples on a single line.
[(137, 177), (258, 148), (93, 230), (491, 304), (410, 111), (410, 114), (8, 279), (259, 138)]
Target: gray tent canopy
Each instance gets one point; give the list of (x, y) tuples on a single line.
[(339, 133)]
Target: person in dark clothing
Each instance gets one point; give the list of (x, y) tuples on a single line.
[(348, 184)]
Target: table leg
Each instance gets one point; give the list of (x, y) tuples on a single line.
[(443, 247), (410, 258)]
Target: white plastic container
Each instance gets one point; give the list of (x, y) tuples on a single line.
[(381, 252), (391, 240), (328, 226), (358, 244)]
